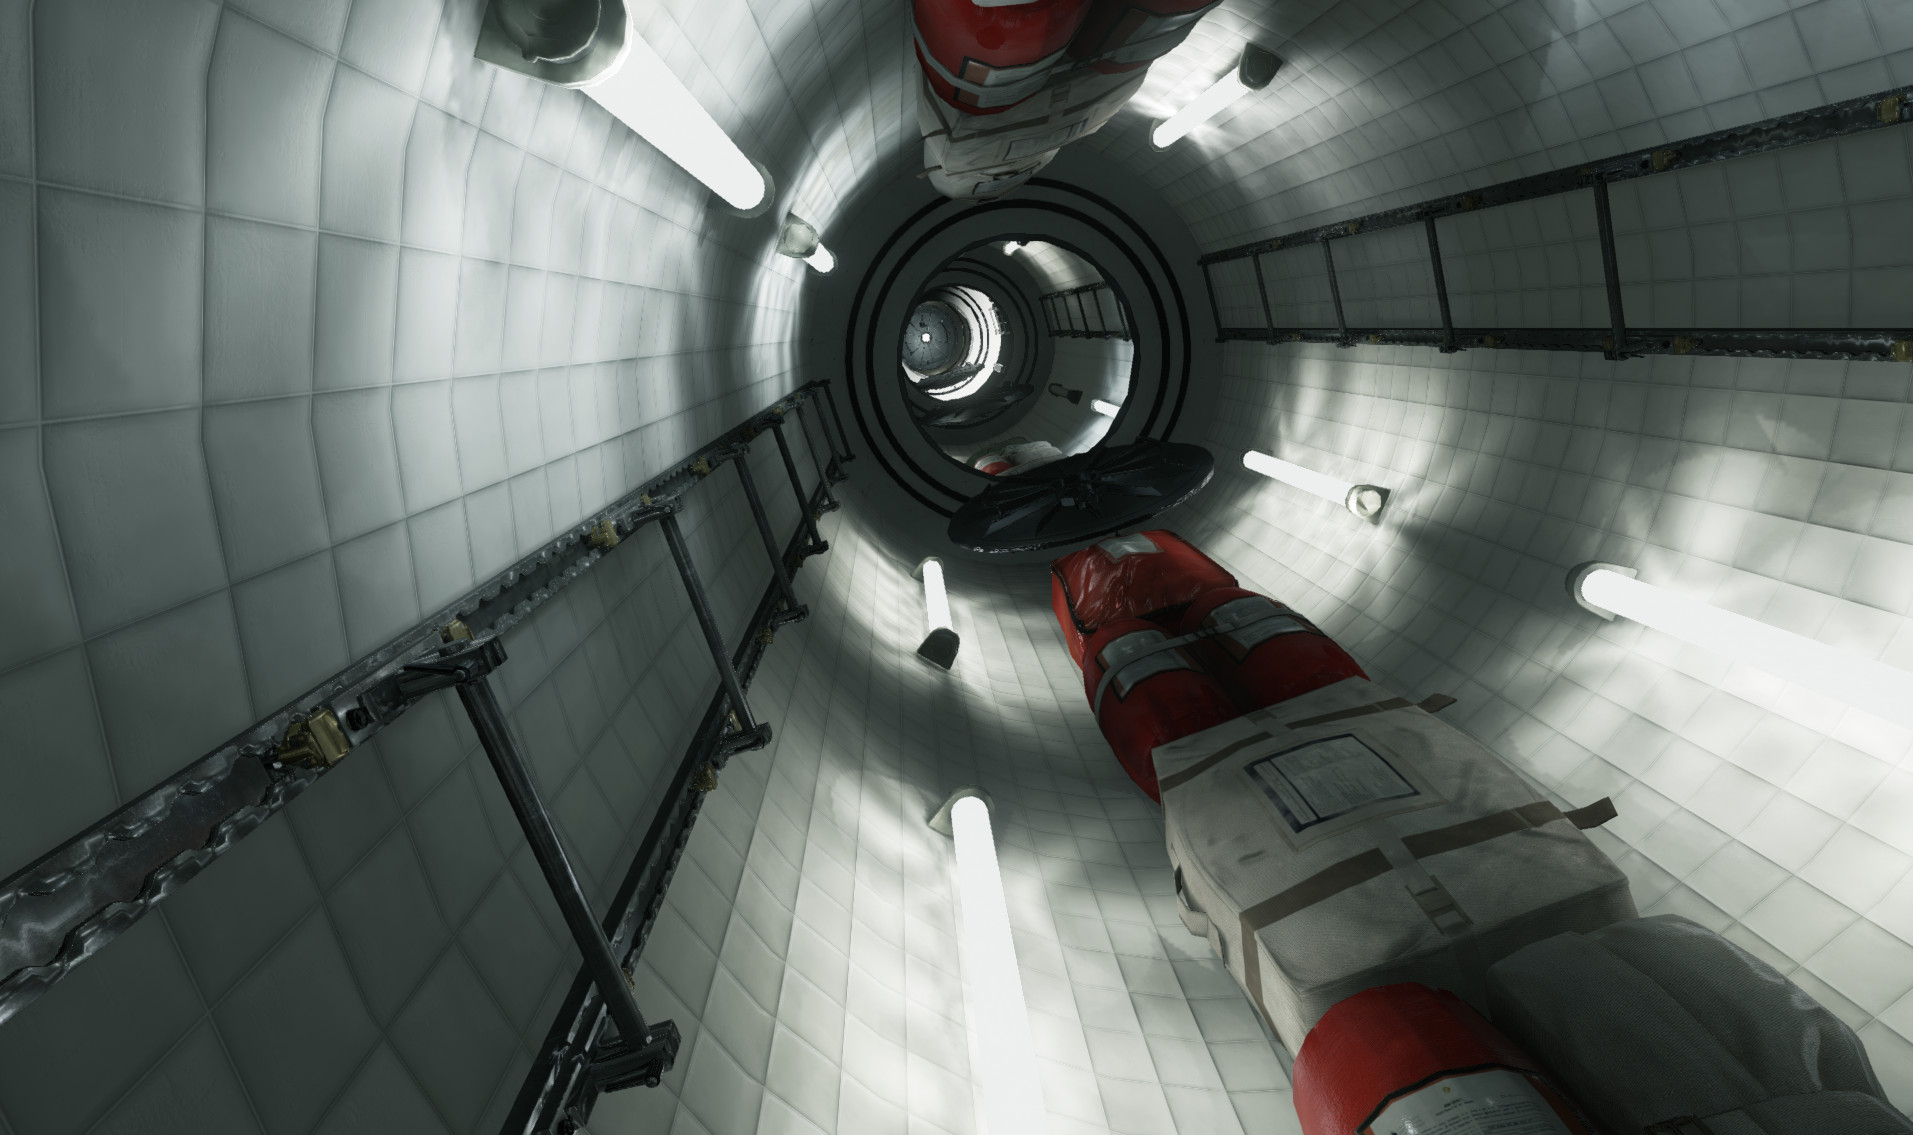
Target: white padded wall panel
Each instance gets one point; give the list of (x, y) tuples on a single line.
[(1388, 103), (308, 322)]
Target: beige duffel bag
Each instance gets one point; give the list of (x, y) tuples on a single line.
[(1348, 838)]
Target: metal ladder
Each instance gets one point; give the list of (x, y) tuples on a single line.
[(71, 903), (1616, 340)]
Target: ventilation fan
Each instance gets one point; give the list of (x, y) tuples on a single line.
[(1107, 490)]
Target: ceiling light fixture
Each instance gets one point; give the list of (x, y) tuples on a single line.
[(645, 95), (1012, 247), (940, 645), (1885, 691), (1106, 409), (1012, 1092), (799, 239), (1365, 501), (1257, 67)]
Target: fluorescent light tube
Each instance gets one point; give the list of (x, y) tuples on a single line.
[(941, 644), (1106, 409), (645, 95), (1012, 1093), (1882, 690), (1257, 67), (1365, 501), (936, 601), (1207, 105)]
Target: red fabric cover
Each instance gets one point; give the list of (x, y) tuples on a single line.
[(1098, 589), (1383, 1041), (1158, 709), (1072, 638), (1111, 24), (995, 467), (970, 41), (1275, 670)]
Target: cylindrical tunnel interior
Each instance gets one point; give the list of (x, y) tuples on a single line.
[(312, 322)]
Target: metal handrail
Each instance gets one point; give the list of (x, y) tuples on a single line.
[(1056, 310), (577, 1061), (1616, 340), (70, 903)]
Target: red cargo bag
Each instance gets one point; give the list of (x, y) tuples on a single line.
[(984, 60), (1262, 651), (1072, 638), (1144, 696), (1126, 577), (1401, 1058)]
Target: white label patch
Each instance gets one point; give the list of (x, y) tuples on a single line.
[(1324, 779), (1495, 1102), (1116, 547)]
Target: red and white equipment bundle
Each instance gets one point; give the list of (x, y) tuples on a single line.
[(1406, 1058), (1348, 838), (1006, 83), (1170, 646)]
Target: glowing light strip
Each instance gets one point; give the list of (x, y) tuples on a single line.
[(1207, 105), (1106, 409), (936, 602), (822, 260), (1012, 1094), (1879, 689), (645, 95), (1289, 473)]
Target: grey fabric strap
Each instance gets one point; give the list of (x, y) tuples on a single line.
[(1096, 703), (1110, 675), (1434, 899), (1012, 91)]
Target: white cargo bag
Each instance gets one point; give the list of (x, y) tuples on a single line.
[(1662, 1025), (1348, 838)]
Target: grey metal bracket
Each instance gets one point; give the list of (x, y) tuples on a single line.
[(845, 454), (816, 458), (818, 544)]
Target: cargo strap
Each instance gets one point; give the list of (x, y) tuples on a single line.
[(1433, 703), (1013, 85), (1370, 864), (1183, 776), (1281, 612)]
